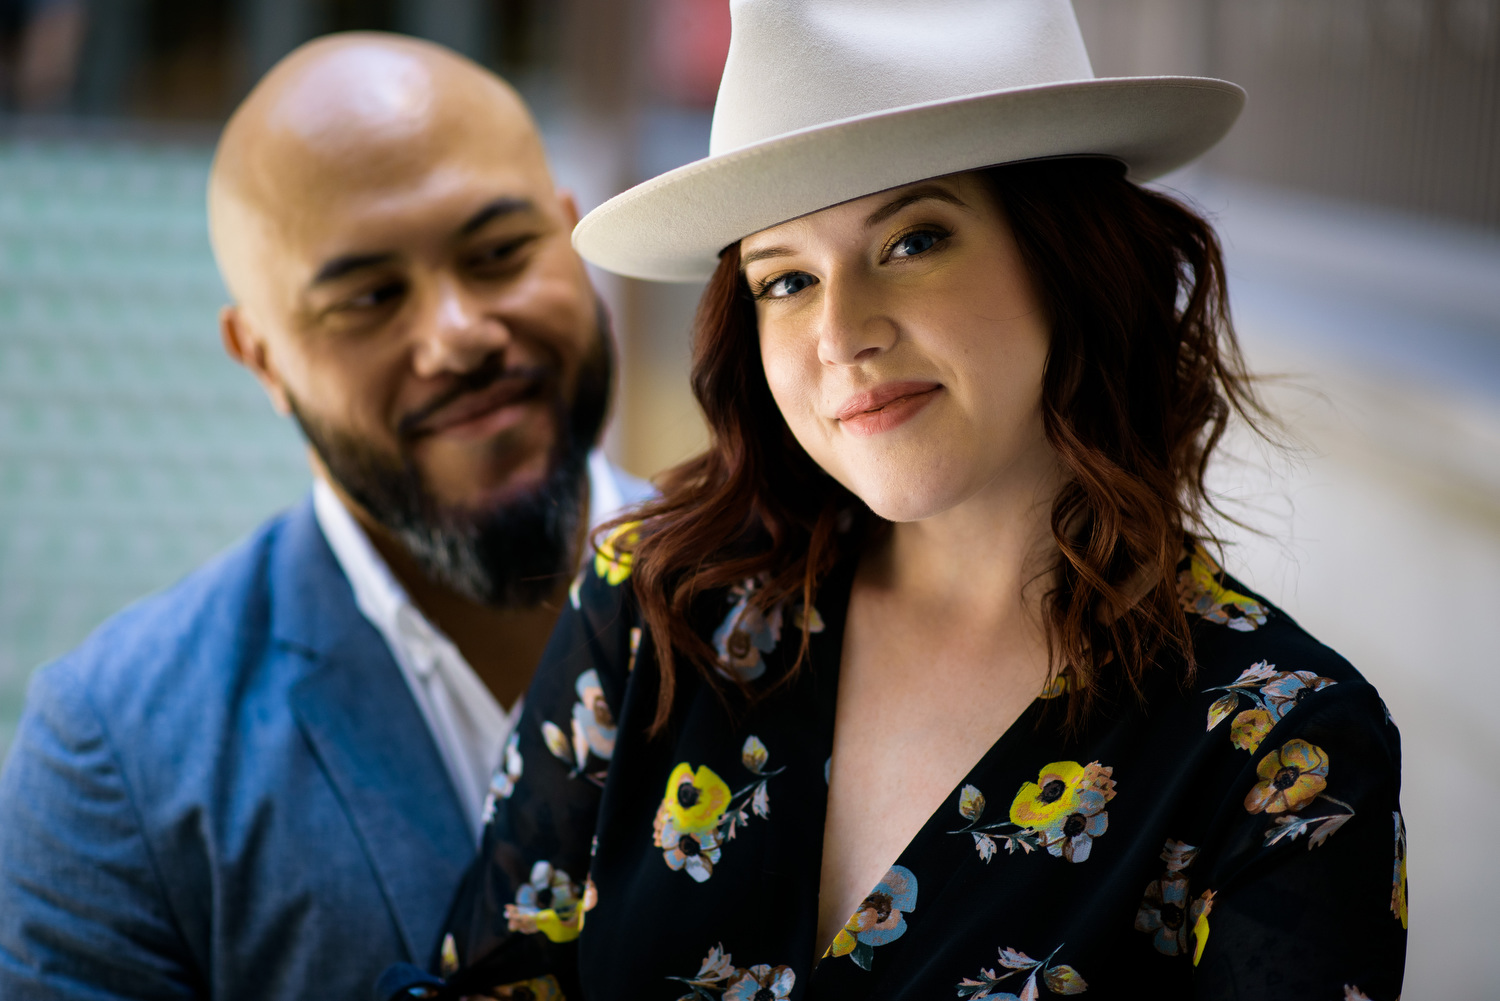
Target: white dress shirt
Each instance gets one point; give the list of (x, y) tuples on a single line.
[(467, 723)]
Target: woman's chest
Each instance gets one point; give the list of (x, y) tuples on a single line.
[(712, 843), (908, 729)]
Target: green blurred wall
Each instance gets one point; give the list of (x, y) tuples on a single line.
[(131, 448)]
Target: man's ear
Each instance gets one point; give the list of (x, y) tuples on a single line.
[(569, 206), (242, 344)]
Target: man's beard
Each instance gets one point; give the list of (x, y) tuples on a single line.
[(513, 555)]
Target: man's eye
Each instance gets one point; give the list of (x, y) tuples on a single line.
[(916, 243), (501, 253), (375, 297), (784, 285)]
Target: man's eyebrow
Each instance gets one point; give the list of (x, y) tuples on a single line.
[(341, 266), (503, 206), (923, 193)]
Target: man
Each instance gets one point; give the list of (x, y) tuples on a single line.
[(265, 782)]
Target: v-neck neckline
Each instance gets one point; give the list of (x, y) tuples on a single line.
[(826, 655)]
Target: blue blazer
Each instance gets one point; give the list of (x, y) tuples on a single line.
[(226, 791)]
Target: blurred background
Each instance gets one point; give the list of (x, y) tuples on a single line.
[(1358, 198)]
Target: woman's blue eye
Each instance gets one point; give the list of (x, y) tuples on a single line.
[(913, 244), (788, 284)]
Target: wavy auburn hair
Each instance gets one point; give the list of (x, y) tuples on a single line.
[(1142, 374)]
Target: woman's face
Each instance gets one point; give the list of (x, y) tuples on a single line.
[(904, 344)]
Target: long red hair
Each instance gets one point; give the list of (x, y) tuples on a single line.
[(1142, 375)]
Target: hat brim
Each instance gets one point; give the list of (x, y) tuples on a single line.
[(673, 227)]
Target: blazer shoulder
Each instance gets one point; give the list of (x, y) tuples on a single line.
[(174, 646)]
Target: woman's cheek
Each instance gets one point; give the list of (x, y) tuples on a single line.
[(786, 375)]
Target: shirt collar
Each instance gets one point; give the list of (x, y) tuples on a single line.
[(377, 593), (380, 596)]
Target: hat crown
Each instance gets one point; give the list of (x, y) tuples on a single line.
[(795, 64)]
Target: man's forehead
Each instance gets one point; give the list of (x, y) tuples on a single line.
[(376, 121), (424, 217), (376, 160), (353, 90)]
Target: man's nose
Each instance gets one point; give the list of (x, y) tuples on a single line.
[(853, 324), (454, 335)]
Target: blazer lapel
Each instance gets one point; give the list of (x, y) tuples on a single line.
[(369, 737)]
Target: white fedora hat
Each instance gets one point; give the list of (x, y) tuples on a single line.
[(823, 101)]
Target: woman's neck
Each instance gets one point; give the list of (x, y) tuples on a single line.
[(986, 558)]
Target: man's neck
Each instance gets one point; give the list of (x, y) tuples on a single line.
[(502, 645)]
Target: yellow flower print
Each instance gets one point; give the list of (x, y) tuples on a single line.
[(695, 801), (1250, 728), (879, 919), (1199, 913), (1042, 803), (1398, 878), (1290, 777), (1065, 805), (448, 962), (1057, 685), (1273, 694), (549, 903), (1199, 592), (699, 815), (613, 558)]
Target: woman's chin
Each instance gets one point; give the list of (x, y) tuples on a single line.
[(897, 505)]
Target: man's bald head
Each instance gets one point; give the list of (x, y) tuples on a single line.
[(404, 285), (352, 115)]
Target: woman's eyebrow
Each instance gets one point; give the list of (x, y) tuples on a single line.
[(926, 191), (763, 254), (922, 193)]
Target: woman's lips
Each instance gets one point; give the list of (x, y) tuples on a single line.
[(886, 407)]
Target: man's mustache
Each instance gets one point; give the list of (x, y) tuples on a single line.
[(536, 378)]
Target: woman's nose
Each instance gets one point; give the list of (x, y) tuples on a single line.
[(853, 325), (454, 335)]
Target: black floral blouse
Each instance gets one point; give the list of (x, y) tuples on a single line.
[(1241, 838)]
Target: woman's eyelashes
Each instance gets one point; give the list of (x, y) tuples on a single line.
[(780, 286), (912, 243), (915, 242)]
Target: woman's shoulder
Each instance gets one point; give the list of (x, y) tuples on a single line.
[(1253, 663), (1230, 622), (604, 588), (597, 639)]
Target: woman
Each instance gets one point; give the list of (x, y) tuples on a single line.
[(922, 681)]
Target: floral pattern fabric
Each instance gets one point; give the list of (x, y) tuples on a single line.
[(879, 919), (1259, 856)]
